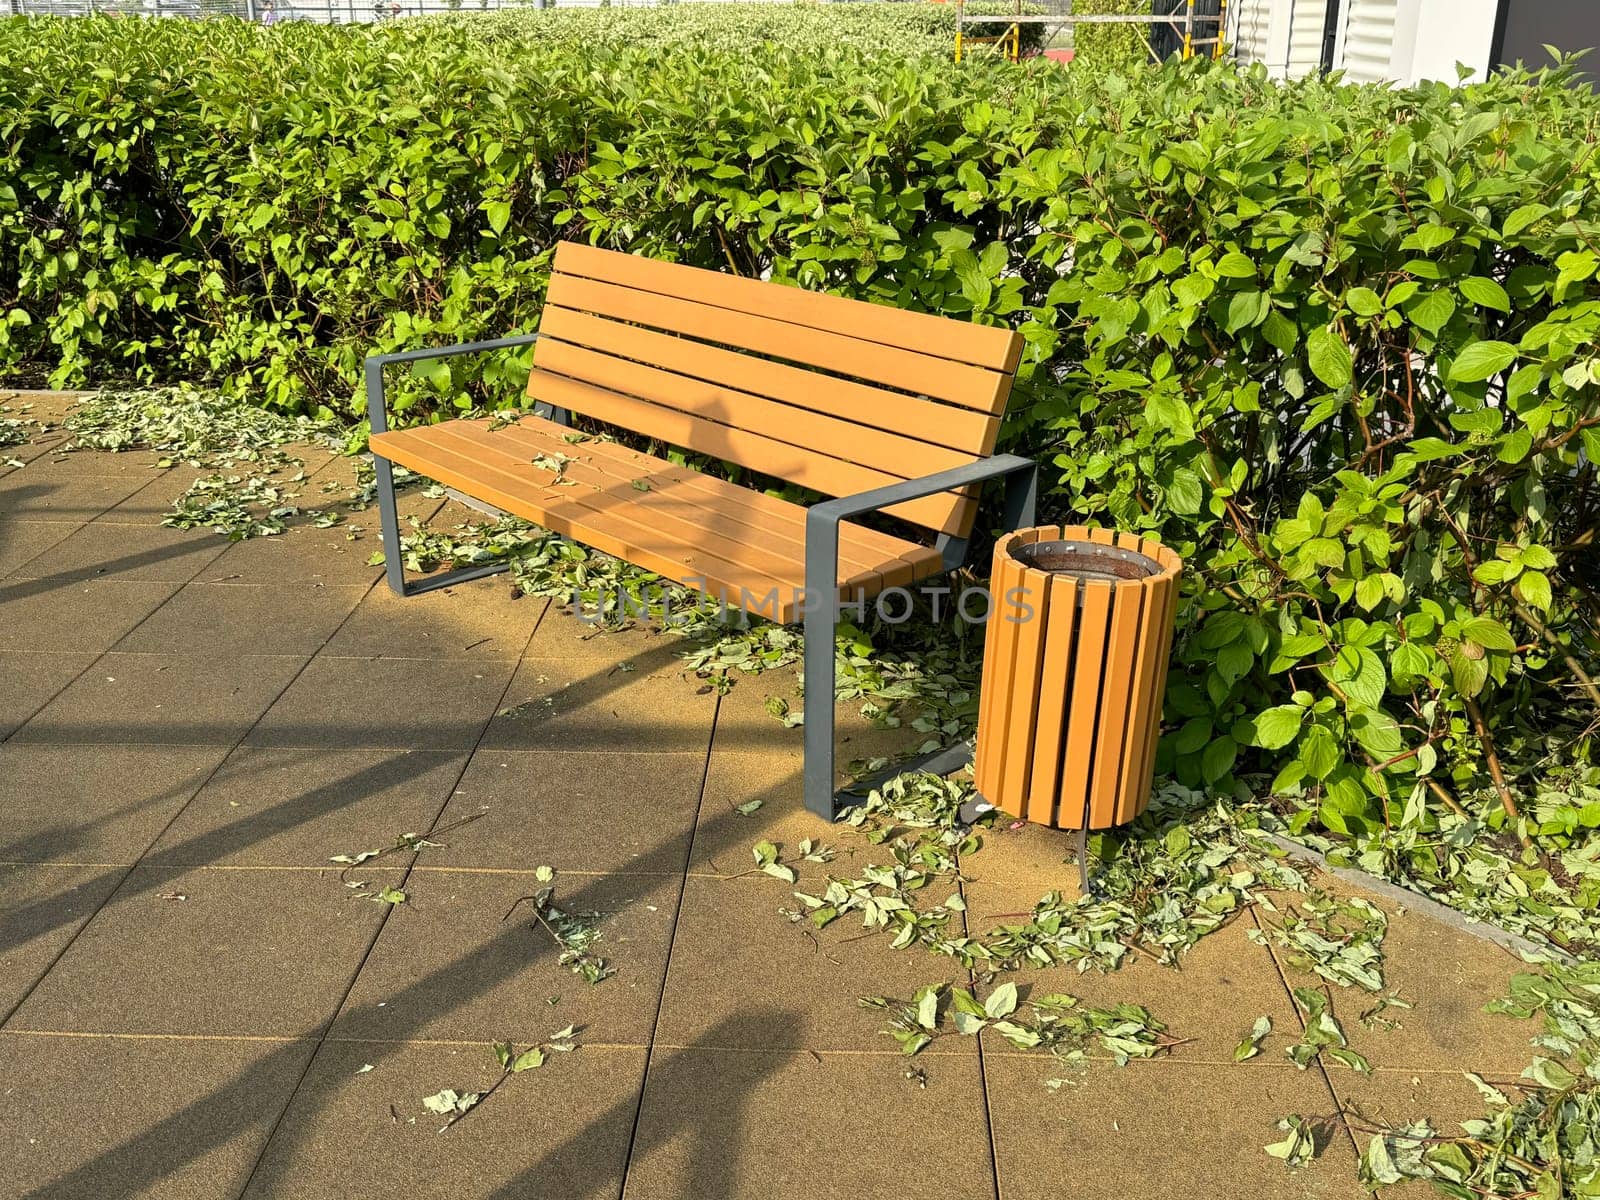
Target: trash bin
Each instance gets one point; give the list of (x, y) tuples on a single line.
[(1074, 666)]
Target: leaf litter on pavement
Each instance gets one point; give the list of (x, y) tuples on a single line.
[(1181, 872)]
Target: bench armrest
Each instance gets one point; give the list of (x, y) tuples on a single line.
[(822, 519), (377, 415), (831, 512)]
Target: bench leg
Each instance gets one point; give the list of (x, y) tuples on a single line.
[(389, 517), (394, 567), (817, 773), (821, 620)]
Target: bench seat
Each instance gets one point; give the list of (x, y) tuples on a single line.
[(743, 547)]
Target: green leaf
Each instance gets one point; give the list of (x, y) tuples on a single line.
[(1218, 758), (1277, 727), (1298, 1147), (435, 371), (1234, 265), (499, 214), (1363, 301), (1468, 673), (1329, 357), (1377, 1164), (527, 1060), (1250, 1046), (1410, 661), (1360, 675), (1246, 309), (1521, 218), (1319, 752), (1485, 292), (1534, 588), (928, 1009), (1480, 360), (1489, 634), (1001, 1002), (1550, 1074), (1431, 311), (967, 1024)]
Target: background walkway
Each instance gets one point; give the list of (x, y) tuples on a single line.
[(194, 1005)]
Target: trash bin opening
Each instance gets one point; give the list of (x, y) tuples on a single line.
[(1090, 561)]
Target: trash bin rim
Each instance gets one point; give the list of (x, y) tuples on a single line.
[(1137, 566), (1168, 564)]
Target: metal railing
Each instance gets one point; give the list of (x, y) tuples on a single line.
[(1187, 28)]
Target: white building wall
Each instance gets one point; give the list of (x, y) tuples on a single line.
[(1404, 41), (1456, 32)]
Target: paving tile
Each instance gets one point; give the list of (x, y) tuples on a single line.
[(723, 837), (1159, 1128), (564, 635), (1223, 984), (301, 555), (117, 1118), (330, 467), (45, 491), (734, 947), (23, 541), (213, 618), (151, 552), (1448, 976), (241, 953), (1026, 858), (557, 705), (745, 723), (451, 965), (558, 1133), (65, 456), (171, 698), (83, 616), (31, 679), (155, 498), (588, 811), (41, 907), (95, 804), (422, 704), (43, 443), (295, 807), (719, 1125), (1388, 1099), (471, 620), (41, 404)]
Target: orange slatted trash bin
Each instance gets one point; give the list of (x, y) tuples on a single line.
[(1074, 667)]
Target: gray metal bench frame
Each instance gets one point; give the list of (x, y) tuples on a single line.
[(821, 567)]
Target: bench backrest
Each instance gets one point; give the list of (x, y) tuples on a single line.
[(834, 395)]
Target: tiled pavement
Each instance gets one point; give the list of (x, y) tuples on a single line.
[(194, 1006)]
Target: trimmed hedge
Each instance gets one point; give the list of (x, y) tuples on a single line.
[(1337, 344)]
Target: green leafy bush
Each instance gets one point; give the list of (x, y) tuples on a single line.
[(1336, 344), (1110, 46)]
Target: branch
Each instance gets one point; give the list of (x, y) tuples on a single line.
[(1573, 665)]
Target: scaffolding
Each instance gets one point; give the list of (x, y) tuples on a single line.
[(1181, 19)]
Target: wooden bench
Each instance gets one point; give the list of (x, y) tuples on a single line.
[(884, 410)]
